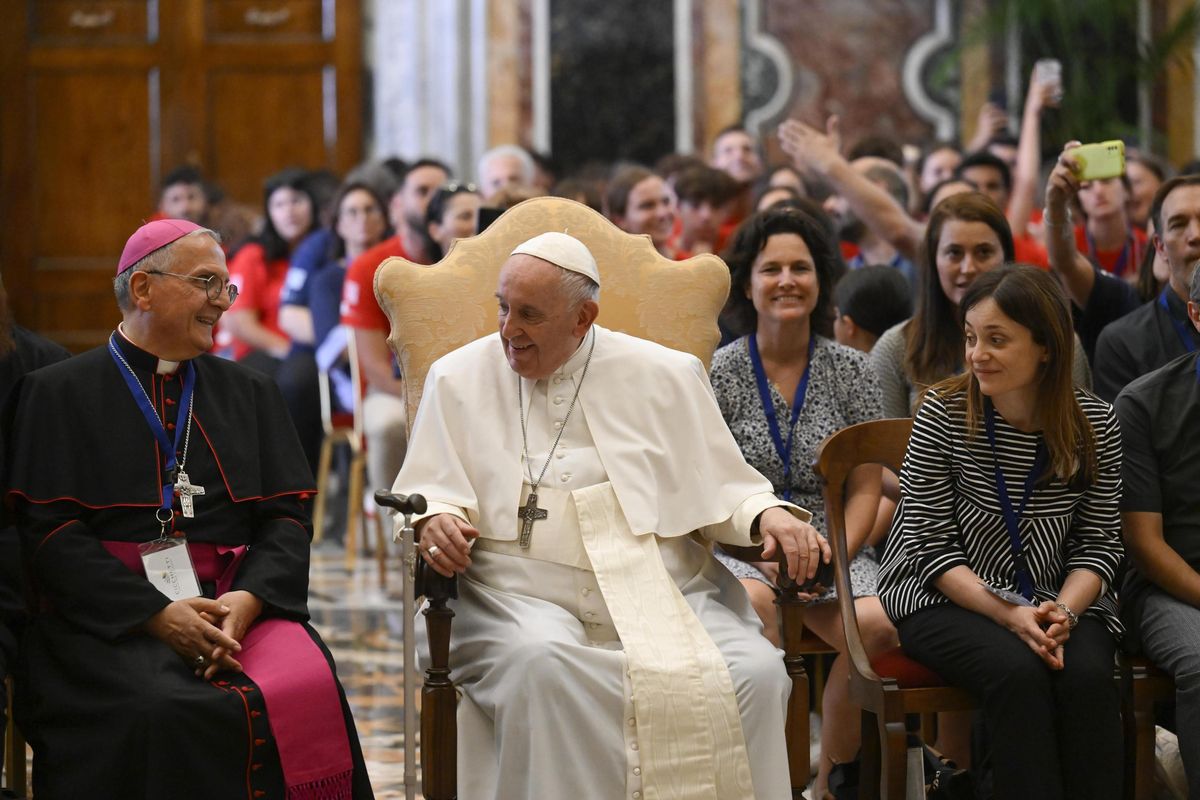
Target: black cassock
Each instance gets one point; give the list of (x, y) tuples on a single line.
[(29, 352), (112, 712)]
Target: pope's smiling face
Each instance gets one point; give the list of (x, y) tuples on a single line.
[(540, 327)]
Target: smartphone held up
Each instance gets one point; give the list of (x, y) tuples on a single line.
[(1100, 160)]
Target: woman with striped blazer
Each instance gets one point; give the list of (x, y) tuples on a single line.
[(1002, 558)]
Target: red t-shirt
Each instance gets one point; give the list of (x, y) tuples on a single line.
[(259, 283), (1122, 262), (359, 308), (1028, 250)]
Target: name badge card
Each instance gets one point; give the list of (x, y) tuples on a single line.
[(169, 567)]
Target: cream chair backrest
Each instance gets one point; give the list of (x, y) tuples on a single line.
[(439, 308)]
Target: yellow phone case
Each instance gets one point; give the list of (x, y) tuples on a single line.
[(1100, 160)]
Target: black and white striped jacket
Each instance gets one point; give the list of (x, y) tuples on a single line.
[(949, 513)]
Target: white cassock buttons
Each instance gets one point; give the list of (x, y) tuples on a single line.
[(566, 476), (557, 424), (558, 401)]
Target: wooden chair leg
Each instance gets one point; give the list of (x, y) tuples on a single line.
[(929, 728), (354, 509), (796, 728), (869, 768), (323, 466), (893, 738), (439, 703), (381, 550), (1144, 734)]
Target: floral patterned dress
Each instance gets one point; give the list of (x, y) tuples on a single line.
[(842, 391)]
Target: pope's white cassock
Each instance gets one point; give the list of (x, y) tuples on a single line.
[(613, 657)]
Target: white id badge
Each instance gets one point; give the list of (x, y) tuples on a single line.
[(1007, 595), (169, 567)]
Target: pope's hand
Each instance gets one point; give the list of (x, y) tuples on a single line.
[(185, 626), (445, 543), (804, 548)]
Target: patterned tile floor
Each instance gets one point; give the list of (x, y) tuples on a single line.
[(363, 625)]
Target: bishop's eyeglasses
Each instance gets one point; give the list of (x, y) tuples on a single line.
[(214, 287)]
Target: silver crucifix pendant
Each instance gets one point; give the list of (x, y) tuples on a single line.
[(529, 513), (186, 490)]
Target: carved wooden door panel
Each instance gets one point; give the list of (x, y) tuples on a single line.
[(99, 98)]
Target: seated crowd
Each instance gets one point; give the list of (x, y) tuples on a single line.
[(1042, 334)]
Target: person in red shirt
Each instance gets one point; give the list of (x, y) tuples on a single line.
[(1108, 237), (739, 154), (183, 196), (639, 201), (384, 412), (704, 196), (250, 331)]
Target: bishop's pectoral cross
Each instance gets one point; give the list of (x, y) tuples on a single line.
[(186, 490), (529, 513)]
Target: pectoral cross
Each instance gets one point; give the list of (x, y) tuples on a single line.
[(186, 490), (529, 513)]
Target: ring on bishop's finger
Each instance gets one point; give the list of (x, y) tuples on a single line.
[(433, 551)]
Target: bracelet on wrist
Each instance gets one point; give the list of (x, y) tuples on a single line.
[(1072, 618), (1056, 224)]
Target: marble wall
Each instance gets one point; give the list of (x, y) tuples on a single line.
[(614, 79), (853, 58)]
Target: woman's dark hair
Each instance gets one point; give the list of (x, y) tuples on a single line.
[(437, 209), (1147, 285), (337, 245), (616, 194), (749, 240), (934, 346), (275, 246), (1034, 299)]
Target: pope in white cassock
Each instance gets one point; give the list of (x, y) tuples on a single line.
[(574, 477)]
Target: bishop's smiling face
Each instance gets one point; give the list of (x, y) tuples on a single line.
[(183, 316), (539, 326)]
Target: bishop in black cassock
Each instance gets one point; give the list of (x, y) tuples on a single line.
[(122, 692)]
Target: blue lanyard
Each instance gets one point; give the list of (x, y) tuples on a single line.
[(156, 427), (1012, 518), (1186, 338), (764, 393), (1122, 260)]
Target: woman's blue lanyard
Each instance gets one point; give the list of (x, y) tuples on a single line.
[(1122, 260), (142, 399), (1181, 329), (764, 393), (1012, 518)]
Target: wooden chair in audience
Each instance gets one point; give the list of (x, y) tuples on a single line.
[(343, 427), (891, 687), (434, 310), (1144, 686), (14, 748)]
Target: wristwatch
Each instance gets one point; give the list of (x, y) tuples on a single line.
[(1072, 618)]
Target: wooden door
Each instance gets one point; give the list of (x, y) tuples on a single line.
[(101, 97)]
